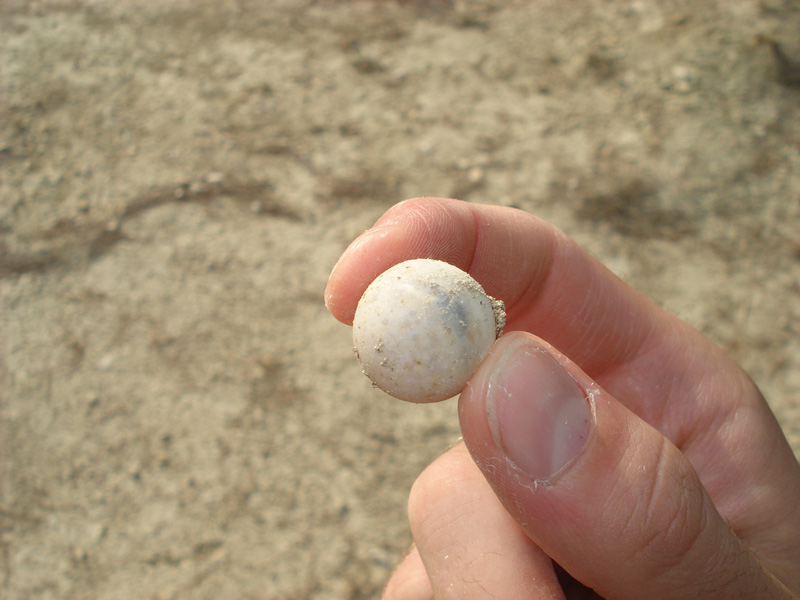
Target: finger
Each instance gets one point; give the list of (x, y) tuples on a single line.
[(469, 544), (598, 489), (547, 282), (409, 580), (550, 285)]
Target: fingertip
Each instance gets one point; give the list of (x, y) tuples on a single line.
[(356, 268), (409, 580), (469, 543), (416, 228)]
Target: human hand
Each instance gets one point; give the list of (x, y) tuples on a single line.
[(647, 464)]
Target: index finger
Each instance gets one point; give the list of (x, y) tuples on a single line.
[(553, 288)]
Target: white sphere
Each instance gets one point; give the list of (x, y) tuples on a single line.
[(422, 328)]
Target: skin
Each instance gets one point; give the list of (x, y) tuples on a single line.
[(683, 485)]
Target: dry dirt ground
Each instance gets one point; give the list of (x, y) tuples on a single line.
[(181, 418)]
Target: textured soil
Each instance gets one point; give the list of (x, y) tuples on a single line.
[(179, 415)]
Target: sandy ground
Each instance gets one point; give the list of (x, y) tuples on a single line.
[(181, 418)]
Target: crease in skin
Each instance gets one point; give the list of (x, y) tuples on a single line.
[(539, 271), (477, 226), (432, 236)]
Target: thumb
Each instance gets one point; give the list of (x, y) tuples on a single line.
[(604, 494)]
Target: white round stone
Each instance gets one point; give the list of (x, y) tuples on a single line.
[(422, 328)]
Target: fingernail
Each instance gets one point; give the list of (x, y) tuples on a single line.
[(538, 415), (381, 230)]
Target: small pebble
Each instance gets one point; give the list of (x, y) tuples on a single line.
[(422, 328)]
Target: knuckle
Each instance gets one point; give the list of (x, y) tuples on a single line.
[(668, 519)]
